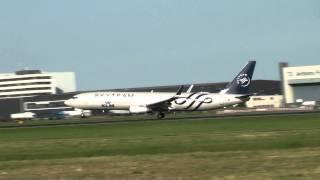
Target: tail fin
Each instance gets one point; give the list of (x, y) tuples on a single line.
[(241, 83)]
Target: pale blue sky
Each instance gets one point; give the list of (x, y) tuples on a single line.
[(131, 43)]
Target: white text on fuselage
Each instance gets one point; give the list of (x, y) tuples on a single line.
[(115, 94)]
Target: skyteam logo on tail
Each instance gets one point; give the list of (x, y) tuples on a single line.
[(243, 80)]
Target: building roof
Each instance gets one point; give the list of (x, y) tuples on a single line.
[(260, 87)]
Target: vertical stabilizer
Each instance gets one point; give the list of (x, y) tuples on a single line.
[(241, 83)]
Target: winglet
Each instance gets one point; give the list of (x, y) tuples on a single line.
[(180, 90), (190, 88)]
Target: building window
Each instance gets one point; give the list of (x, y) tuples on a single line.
[(25, 84), (21, 95), (26, 78), (45, 105), (26, 89), (258, 99)]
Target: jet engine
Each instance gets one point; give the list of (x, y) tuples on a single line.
[(119, 112), (139, 109)]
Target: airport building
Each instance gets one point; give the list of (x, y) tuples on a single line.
[(28, 83), (259, 87), (297, 85), (34, 91), (301, 83), (265, 101)]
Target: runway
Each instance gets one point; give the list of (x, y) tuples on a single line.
[(143, 118)]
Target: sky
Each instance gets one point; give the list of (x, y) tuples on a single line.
[(134, 43)]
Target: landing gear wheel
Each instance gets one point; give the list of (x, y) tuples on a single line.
[(160, 115), (83, 115)]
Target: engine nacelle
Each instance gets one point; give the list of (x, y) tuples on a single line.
[(139, 109), (119, 112)]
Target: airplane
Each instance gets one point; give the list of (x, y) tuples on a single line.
[(236, 92)]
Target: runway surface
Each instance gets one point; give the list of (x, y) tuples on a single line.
[(142, 118)]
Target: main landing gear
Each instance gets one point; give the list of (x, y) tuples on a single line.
[(83, 115), (161, 115)]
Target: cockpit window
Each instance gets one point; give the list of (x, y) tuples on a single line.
[(74, 97)]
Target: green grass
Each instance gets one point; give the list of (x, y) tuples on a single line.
[(195, 141), (160, 137)]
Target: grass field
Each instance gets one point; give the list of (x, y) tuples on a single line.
[(271, 147)]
